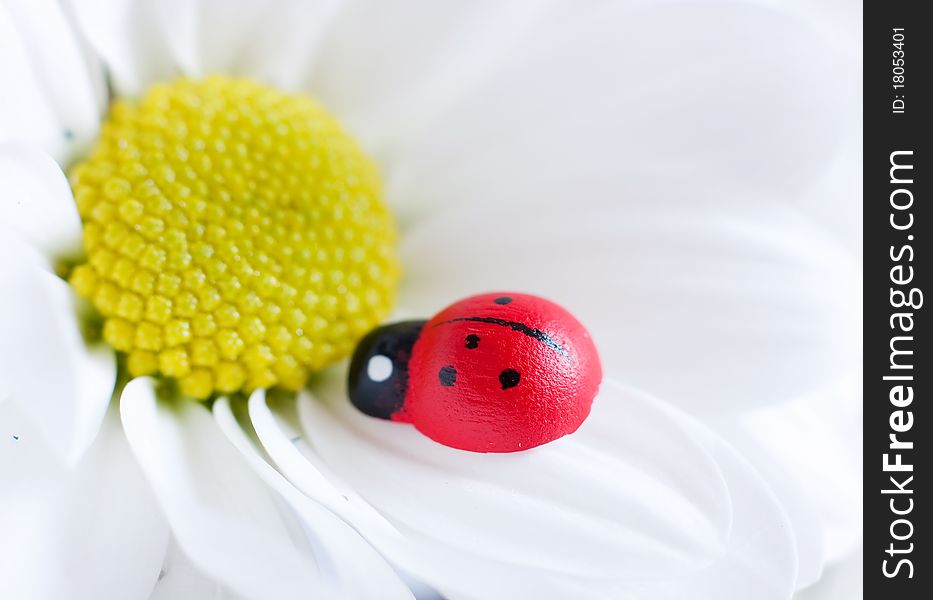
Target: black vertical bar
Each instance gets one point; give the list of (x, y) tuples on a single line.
[(897, 69)]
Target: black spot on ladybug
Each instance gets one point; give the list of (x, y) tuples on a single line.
[(502, 300), (509, 378), (447, 375), (472, 341)]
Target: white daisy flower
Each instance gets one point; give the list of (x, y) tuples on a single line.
[(644, 165)]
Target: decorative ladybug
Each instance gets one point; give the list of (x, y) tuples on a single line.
[(496, 372)]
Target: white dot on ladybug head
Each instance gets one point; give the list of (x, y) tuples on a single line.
[(379, 368)]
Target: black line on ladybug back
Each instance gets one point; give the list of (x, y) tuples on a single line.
[(519, 327)]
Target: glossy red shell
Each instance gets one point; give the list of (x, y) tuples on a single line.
[(501, 372)]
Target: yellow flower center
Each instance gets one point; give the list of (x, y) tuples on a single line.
[(236, 236)]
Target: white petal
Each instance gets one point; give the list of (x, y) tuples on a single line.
[(760, 560), (273, 42), (633, 496), (208, 36), (840, 18), (276, 43), (717, 308), (53, 94), (36, 202), (62, 384), (841, 581), (823, 497), (283, 46), (835, 200), (180, 579), (359, 571), (144, 41), (224, 518), (592, 93), (313, 478), (805, 521), (123, 34), (595, 526), (90, 532), (386, 67)]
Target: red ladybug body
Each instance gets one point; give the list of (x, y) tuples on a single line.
[(498, 372)]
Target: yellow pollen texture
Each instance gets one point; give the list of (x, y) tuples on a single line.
[(236, 236)]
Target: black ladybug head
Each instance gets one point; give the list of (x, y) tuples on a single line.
[(378, 377)]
